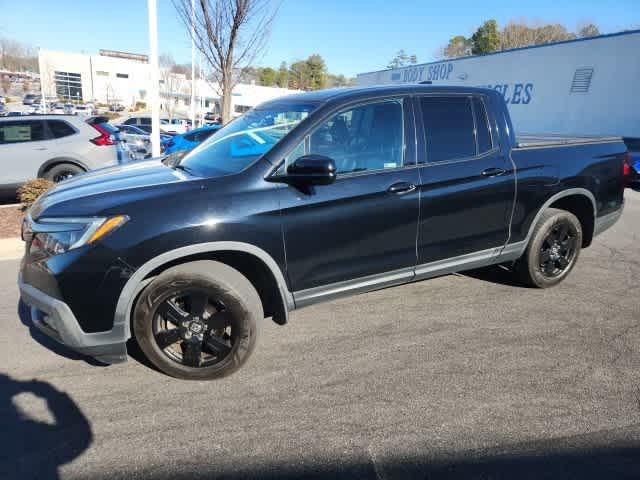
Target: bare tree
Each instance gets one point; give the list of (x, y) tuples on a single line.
[(171, 83), (588, 29), (5, 84), (520, 33), (230, 34)]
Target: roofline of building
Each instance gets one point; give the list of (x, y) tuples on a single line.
[(575, 40)]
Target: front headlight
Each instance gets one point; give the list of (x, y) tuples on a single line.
[(53, 236)]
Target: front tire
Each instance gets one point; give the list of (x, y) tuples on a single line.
[(553, 249), (198, 321)]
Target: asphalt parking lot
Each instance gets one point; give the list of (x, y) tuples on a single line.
[(464, 376)]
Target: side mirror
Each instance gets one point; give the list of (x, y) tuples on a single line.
[(310, 170)]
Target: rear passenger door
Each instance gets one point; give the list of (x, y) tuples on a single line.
[(467, 185), (24, 146)]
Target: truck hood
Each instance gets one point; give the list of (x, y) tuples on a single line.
[(103, 182)]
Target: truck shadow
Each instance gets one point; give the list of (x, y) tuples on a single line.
[(495, 274), (33, 448), (50, 343), (598, 463)]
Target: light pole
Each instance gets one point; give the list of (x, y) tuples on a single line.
[(193, 65), (154, 94)]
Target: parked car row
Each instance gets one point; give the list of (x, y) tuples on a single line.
[(56, 147), (171, 126)]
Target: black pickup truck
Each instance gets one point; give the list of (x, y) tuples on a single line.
[(304, 199)]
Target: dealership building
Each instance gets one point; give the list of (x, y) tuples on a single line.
[(585, 86), (121, 77)]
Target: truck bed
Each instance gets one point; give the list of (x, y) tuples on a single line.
[(531, 140)]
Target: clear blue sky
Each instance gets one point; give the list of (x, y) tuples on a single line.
[(352, 35)]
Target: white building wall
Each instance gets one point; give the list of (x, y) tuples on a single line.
[(109, 79), (536, 83)]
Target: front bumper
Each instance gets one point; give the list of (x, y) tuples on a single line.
[(54, 318)]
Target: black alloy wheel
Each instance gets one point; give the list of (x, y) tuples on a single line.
[(552, 250), (558, 249), (192, 328), (198, 320)]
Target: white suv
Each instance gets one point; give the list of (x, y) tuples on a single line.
[(55, 147)]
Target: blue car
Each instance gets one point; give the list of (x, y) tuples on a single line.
[(633, 144), (190, 140)]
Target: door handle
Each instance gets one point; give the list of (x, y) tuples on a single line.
[(41, 148), (493, 172), (401, 187)]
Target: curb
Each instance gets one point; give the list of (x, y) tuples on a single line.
[(11, 248)]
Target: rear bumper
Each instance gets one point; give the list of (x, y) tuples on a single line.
[(607, 221), (54, 318)]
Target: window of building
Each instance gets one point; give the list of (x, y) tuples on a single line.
[(68, 85), (448, 128), (482, 126), (241, 108), (20, 131), (59, 128), (102, 73), (122, 75)]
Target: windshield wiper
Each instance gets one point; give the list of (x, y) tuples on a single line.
[(183, 168)]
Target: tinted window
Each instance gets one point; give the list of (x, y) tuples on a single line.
[(190, 137), (482, 126), (202, 136), (448, 125), (130, 121), (367, 137), (21, 131), (60, 129)]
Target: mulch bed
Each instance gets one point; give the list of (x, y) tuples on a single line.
[(10, 221)]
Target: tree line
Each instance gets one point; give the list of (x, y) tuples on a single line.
[(308, 74), (17, 57), (489, 37)]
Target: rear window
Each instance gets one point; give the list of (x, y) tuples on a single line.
[(448, 128), (60, 129), (22, 131), (109, 128)]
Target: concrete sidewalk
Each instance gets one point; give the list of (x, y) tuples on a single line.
[(11, 248)]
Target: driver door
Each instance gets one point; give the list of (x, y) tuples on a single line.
[(360, 231)]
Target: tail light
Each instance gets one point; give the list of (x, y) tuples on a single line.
[(626, 169), (105, 138)]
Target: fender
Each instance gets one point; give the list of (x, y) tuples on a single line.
[(516, 250), (49, 163), (138, 280)]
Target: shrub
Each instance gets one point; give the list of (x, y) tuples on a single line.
[(31, 190)]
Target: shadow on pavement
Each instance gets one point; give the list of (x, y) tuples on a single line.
[(609, 462), (50, 343), (33, 448), (495, 274)]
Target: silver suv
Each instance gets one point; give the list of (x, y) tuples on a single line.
[(55, 147)]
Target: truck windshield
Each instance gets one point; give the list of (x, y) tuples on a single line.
[(241, 142)]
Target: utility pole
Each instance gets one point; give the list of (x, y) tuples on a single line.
[(154, 90), (193, 65)]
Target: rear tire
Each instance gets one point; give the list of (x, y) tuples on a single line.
[(192, 338), (552, 251), (62, 171)]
